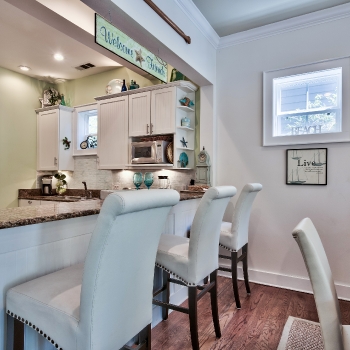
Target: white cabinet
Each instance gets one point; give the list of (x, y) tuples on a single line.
[(28, 202), (140, 114), (113, 141), (53, 125), (152, 112), (163, 105)]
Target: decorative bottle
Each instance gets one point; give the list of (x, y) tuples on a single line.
[(124, 88), (63, 102)]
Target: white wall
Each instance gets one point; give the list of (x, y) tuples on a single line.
[(274, 256)]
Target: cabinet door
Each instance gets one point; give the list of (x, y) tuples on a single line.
[(139, 114), (47, 140), (112, 150), (28, 203), (163, 104)]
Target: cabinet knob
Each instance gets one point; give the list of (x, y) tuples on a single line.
[(55, 160), (30, 202), (147, 129)]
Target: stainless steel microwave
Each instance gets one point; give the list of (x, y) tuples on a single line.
[(148, 152)]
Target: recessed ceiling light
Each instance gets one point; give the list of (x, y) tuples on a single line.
[(58, 57), (24, 68)]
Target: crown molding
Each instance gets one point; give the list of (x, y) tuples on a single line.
[(197, 18), (288, 25)]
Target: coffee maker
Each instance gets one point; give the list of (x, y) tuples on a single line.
[(46, 187)]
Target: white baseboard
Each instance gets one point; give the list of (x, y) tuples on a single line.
[(299, 284)]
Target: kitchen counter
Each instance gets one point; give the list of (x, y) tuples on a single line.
[(63, 209)]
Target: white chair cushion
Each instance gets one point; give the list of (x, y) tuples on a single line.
[(226, 236), (172, 255), (50, 303)]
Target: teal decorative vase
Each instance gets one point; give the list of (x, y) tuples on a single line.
[(138, 178), (149, 179)]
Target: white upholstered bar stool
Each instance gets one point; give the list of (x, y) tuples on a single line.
[(234, 236), (335, 335), (105, 302), (190, 260)]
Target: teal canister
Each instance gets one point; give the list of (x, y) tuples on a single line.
[(186, 122)]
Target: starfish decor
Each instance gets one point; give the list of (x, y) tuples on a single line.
[(139, 57), (184, 142)]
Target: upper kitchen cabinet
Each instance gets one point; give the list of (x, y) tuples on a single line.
[(163, 105), (140, 114), (112, 150), (54, 124)]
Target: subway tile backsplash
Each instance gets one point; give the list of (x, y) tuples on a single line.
[(86, 170)]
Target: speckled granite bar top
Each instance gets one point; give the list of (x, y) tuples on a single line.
[(22, 216), (13, 217), (35, 194)]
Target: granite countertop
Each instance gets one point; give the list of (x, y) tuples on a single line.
[(21, 216)]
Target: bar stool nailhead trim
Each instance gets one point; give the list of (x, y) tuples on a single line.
[(21, 319)]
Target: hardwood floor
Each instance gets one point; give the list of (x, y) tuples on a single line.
[(257, 326)]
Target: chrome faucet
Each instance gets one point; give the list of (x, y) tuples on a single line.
[(88, 194)]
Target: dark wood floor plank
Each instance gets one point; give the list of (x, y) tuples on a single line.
[(257, 326)]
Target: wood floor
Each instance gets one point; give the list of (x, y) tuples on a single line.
[(258, 325)]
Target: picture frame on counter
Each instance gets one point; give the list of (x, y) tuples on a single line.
[(306, 166)]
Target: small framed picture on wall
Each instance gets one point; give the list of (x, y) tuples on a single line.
[(306, 166)]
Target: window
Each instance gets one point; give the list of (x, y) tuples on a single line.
[(86, 129), (304, 104)]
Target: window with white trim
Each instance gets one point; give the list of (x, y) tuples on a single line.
[(308, 103)]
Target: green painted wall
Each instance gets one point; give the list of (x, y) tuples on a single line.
[(18, 98), (81, 91)]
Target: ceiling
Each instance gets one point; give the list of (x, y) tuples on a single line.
[(24, 40), (233, 16)]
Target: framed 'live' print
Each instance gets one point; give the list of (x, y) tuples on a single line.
[(307, 166)]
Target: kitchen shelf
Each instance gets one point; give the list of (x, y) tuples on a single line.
[(185, 128), (185, 108), (186, 149)]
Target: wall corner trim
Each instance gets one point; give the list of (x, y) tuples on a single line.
[(288, 25), (197, 18)]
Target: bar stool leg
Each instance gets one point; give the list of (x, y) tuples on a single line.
[(166, 294), (149, 337), (18, 335), (245, 268), (234, 278), (192, 305), (214, 303)]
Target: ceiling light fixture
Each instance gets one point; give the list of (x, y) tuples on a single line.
[(25, 68), (58, 57)]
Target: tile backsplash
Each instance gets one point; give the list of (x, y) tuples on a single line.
[(85, 169)]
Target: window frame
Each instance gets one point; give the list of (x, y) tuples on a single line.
[(79, 127), (269, 121)]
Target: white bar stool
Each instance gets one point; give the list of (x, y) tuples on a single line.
[(234, 236), (106, 301), (190, 260)]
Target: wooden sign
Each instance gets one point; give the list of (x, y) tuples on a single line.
[(114, 40)]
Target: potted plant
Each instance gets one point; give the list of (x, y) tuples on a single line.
[(61, 184)]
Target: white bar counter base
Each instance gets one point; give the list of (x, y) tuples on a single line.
[(31, 251)]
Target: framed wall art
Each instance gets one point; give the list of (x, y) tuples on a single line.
[(306, 166)]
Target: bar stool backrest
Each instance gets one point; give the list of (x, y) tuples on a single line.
[(205, 231), (116, 295), (322, 283), (241, 215)]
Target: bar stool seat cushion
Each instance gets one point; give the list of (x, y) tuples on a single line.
[(51, 305), (172, 256), (226, 235)]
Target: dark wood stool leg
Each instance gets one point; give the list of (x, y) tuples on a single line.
[(166, 294), (192, 305), (214, 303), (245, 268), (234, 278), (149, 337), (18, 335), (206, 280)]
